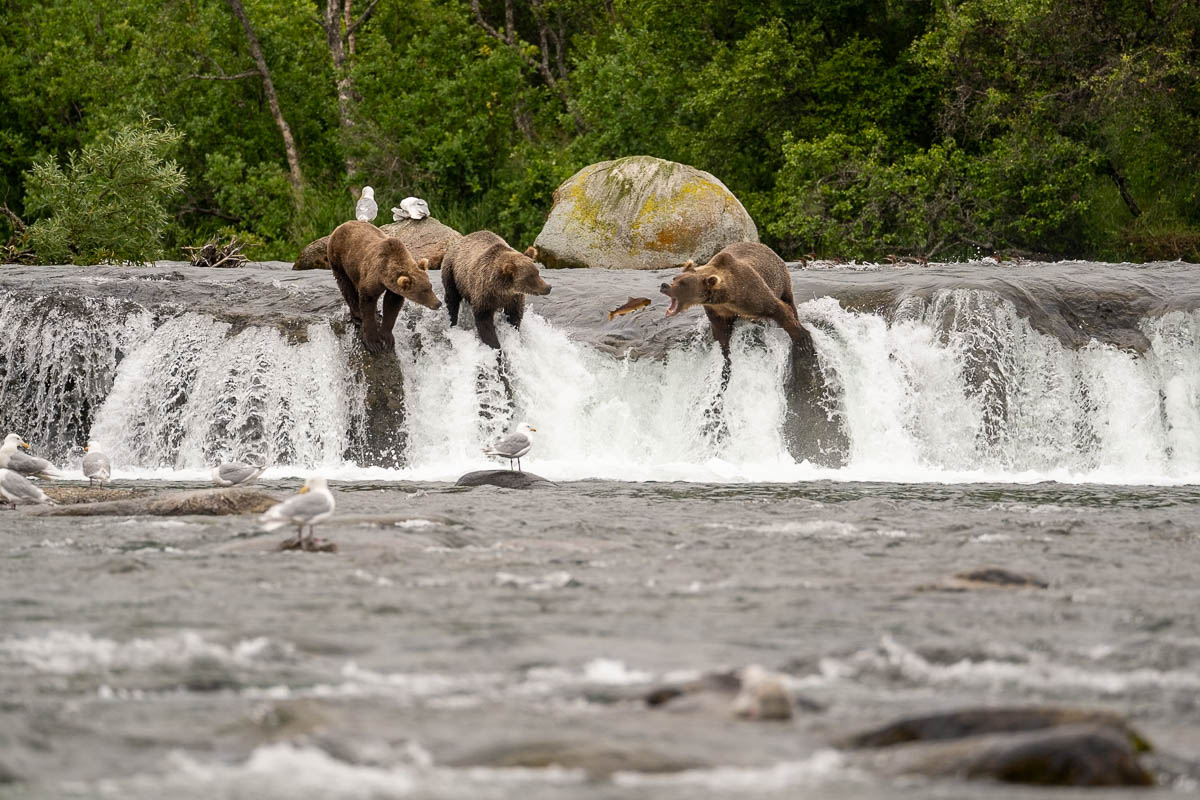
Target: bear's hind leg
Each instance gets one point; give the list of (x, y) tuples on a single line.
[(370, 325), (452, 295), (349, 293)]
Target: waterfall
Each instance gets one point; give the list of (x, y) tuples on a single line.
[(946, 385)]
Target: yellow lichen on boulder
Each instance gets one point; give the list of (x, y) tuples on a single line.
[(641, 212)]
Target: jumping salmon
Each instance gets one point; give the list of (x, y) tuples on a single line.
[(631, 305)]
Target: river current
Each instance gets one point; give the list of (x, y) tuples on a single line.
[(147, 657)]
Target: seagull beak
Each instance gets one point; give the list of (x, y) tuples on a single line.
[(303, 490), (85, 449), (25, 445), (533, 429)]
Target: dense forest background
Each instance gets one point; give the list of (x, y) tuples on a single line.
[(851, 128)]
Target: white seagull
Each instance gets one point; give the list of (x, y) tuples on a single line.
[(366, 208), (312, 505), (16, 490), (514, 445), (410, 208), (96, 466), (232, 473), (10, 458)]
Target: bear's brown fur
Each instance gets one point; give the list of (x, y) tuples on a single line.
[(746, 280), (368, 263), (483, 270)]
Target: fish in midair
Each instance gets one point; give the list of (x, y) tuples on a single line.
[(366, 209), (410, 208), (96, 466), (631, 305)]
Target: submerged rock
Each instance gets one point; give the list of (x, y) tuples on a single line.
[(70, 495), (976, 721), (504, 478), (641, 212), (985, 578), (203, 502), (1046, 746), (1073, 755)]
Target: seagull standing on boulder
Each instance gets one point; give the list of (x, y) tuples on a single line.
[(16, 490), (96, 466), (366, 208), (411, 208), (18, 462), (312, 505), (514, 445)]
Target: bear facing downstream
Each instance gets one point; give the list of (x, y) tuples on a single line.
[(368, 263), (482, 269), (746, 280)]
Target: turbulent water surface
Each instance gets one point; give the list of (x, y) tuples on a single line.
[(1044, 419)]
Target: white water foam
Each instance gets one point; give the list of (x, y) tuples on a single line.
[(954, 388), (71, 653)]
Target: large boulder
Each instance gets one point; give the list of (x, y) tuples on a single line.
[(641, 212), (424, 238)]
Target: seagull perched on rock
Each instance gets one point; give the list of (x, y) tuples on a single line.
[(366, 208), (233, 473), (16, 490), (96, 467), (11, 458), (312, 505), (411, 208), (514, 445)]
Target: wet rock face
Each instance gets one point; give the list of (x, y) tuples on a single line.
[(641, 212)]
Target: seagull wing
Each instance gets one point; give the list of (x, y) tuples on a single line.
[(514, 445), (237, 472), (304, 509), (96, 464), (18, 489), (31, 465)]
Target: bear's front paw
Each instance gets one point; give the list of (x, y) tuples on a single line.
[(375, 344)]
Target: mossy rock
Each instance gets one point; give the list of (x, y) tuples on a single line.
[(641, 212)]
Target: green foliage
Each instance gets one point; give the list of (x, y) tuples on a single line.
[(110, 202), (856, 127)]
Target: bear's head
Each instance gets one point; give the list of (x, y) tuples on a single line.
[(695, 286), (407, 278), (520, 272)]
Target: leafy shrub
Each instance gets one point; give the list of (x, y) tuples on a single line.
[(110, 202)]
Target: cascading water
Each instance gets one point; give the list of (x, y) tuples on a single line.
[(953, 384)]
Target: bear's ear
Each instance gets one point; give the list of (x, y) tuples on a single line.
[(423, 264), (508, 269), (689, 266), (531, 252), (712, 281), (403, 283)]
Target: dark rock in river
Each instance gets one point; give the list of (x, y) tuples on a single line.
[(597, 759), (1073, 755), (977, 721), (205, 502), (315, 255), (985, 578), (504, 478)]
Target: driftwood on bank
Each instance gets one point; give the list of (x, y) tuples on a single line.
[(214, 254)]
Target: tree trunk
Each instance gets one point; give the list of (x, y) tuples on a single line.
[(289, 144), (340, 27)]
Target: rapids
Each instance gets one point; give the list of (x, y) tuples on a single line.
[(1069, 371)]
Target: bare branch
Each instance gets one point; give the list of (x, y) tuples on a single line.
[(366, 15), (17, 223), (239, 76)]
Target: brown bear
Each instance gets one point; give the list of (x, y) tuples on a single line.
[(367, 263), (746, 280), (483, 270)]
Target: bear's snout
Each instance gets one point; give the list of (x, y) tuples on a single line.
[(664, 288), (545, 290)]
